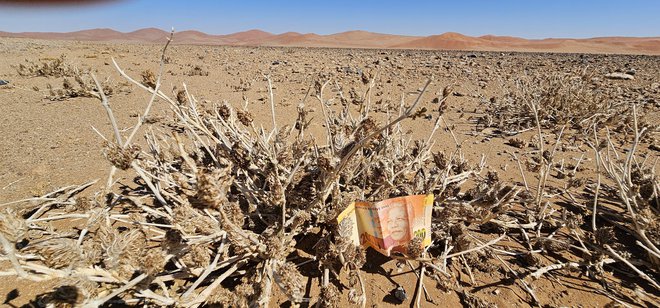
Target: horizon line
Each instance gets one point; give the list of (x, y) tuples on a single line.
[(334, 33)]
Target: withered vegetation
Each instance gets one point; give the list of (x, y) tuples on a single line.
[(48, 67), (226, 211), (82, 86), (576, 100)]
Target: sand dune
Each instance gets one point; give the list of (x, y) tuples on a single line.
[(449, 40), (247, 36), (365, 39)]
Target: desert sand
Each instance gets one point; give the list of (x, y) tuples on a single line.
[(48, 141)]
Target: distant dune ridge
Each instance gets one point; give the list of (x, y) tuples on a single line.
[(365, 39)]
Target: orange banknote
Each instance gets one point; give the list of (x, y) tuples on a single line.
[(391, 224)]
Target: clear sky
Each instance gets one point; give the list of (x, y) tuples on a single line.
[(523, 18)]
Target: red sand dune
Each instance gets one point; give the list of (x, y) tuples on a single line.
[(248, 36), (449, 40), (364, 39)]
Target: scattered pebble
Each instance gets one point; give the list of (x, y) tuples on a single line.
[(400, 294)]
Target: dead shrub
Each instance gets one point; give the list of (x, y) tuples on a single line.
[(83, 86), (56, 67), (561, 100)]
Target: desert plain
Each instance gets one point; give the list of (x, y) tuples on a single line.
[(478, 110)]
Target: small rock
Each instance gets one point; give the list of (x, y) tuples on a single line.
[(400, 294), (3, 82), (620, 76), (631, 72)]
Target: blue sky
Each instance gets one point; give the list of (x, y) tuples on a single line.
[(523, 18)]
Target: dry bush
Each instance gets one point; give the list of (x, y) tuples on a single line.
[(230, 196), (83, 86), (46, 68), (557, 219), (561, 99), (636, 191)]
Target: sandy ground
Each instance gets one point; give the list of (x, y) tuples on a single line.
[(48, 144)]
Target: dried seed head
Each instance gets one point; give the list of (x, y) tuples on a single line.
[(329, 297), (325, 164), (415, 248), (224, 111), (148, 79), (290, 280), (229, 298), (121, 157), (492, 178), (274, 246), (244, 117), (440, 160), (366, 128), (573, 221), (82, 204), (190, 221), (302, 122), (12, 226), (277, 196), (60, 253), (605, 235), (153, 261), (212, 187), (299, 219), (86, 288), (650, 221), (234, 213), (197, 256), (181, 97), (121, 249), (173, 241)]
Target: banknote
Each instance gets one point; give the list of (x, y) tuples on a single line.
[(389, 225)]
